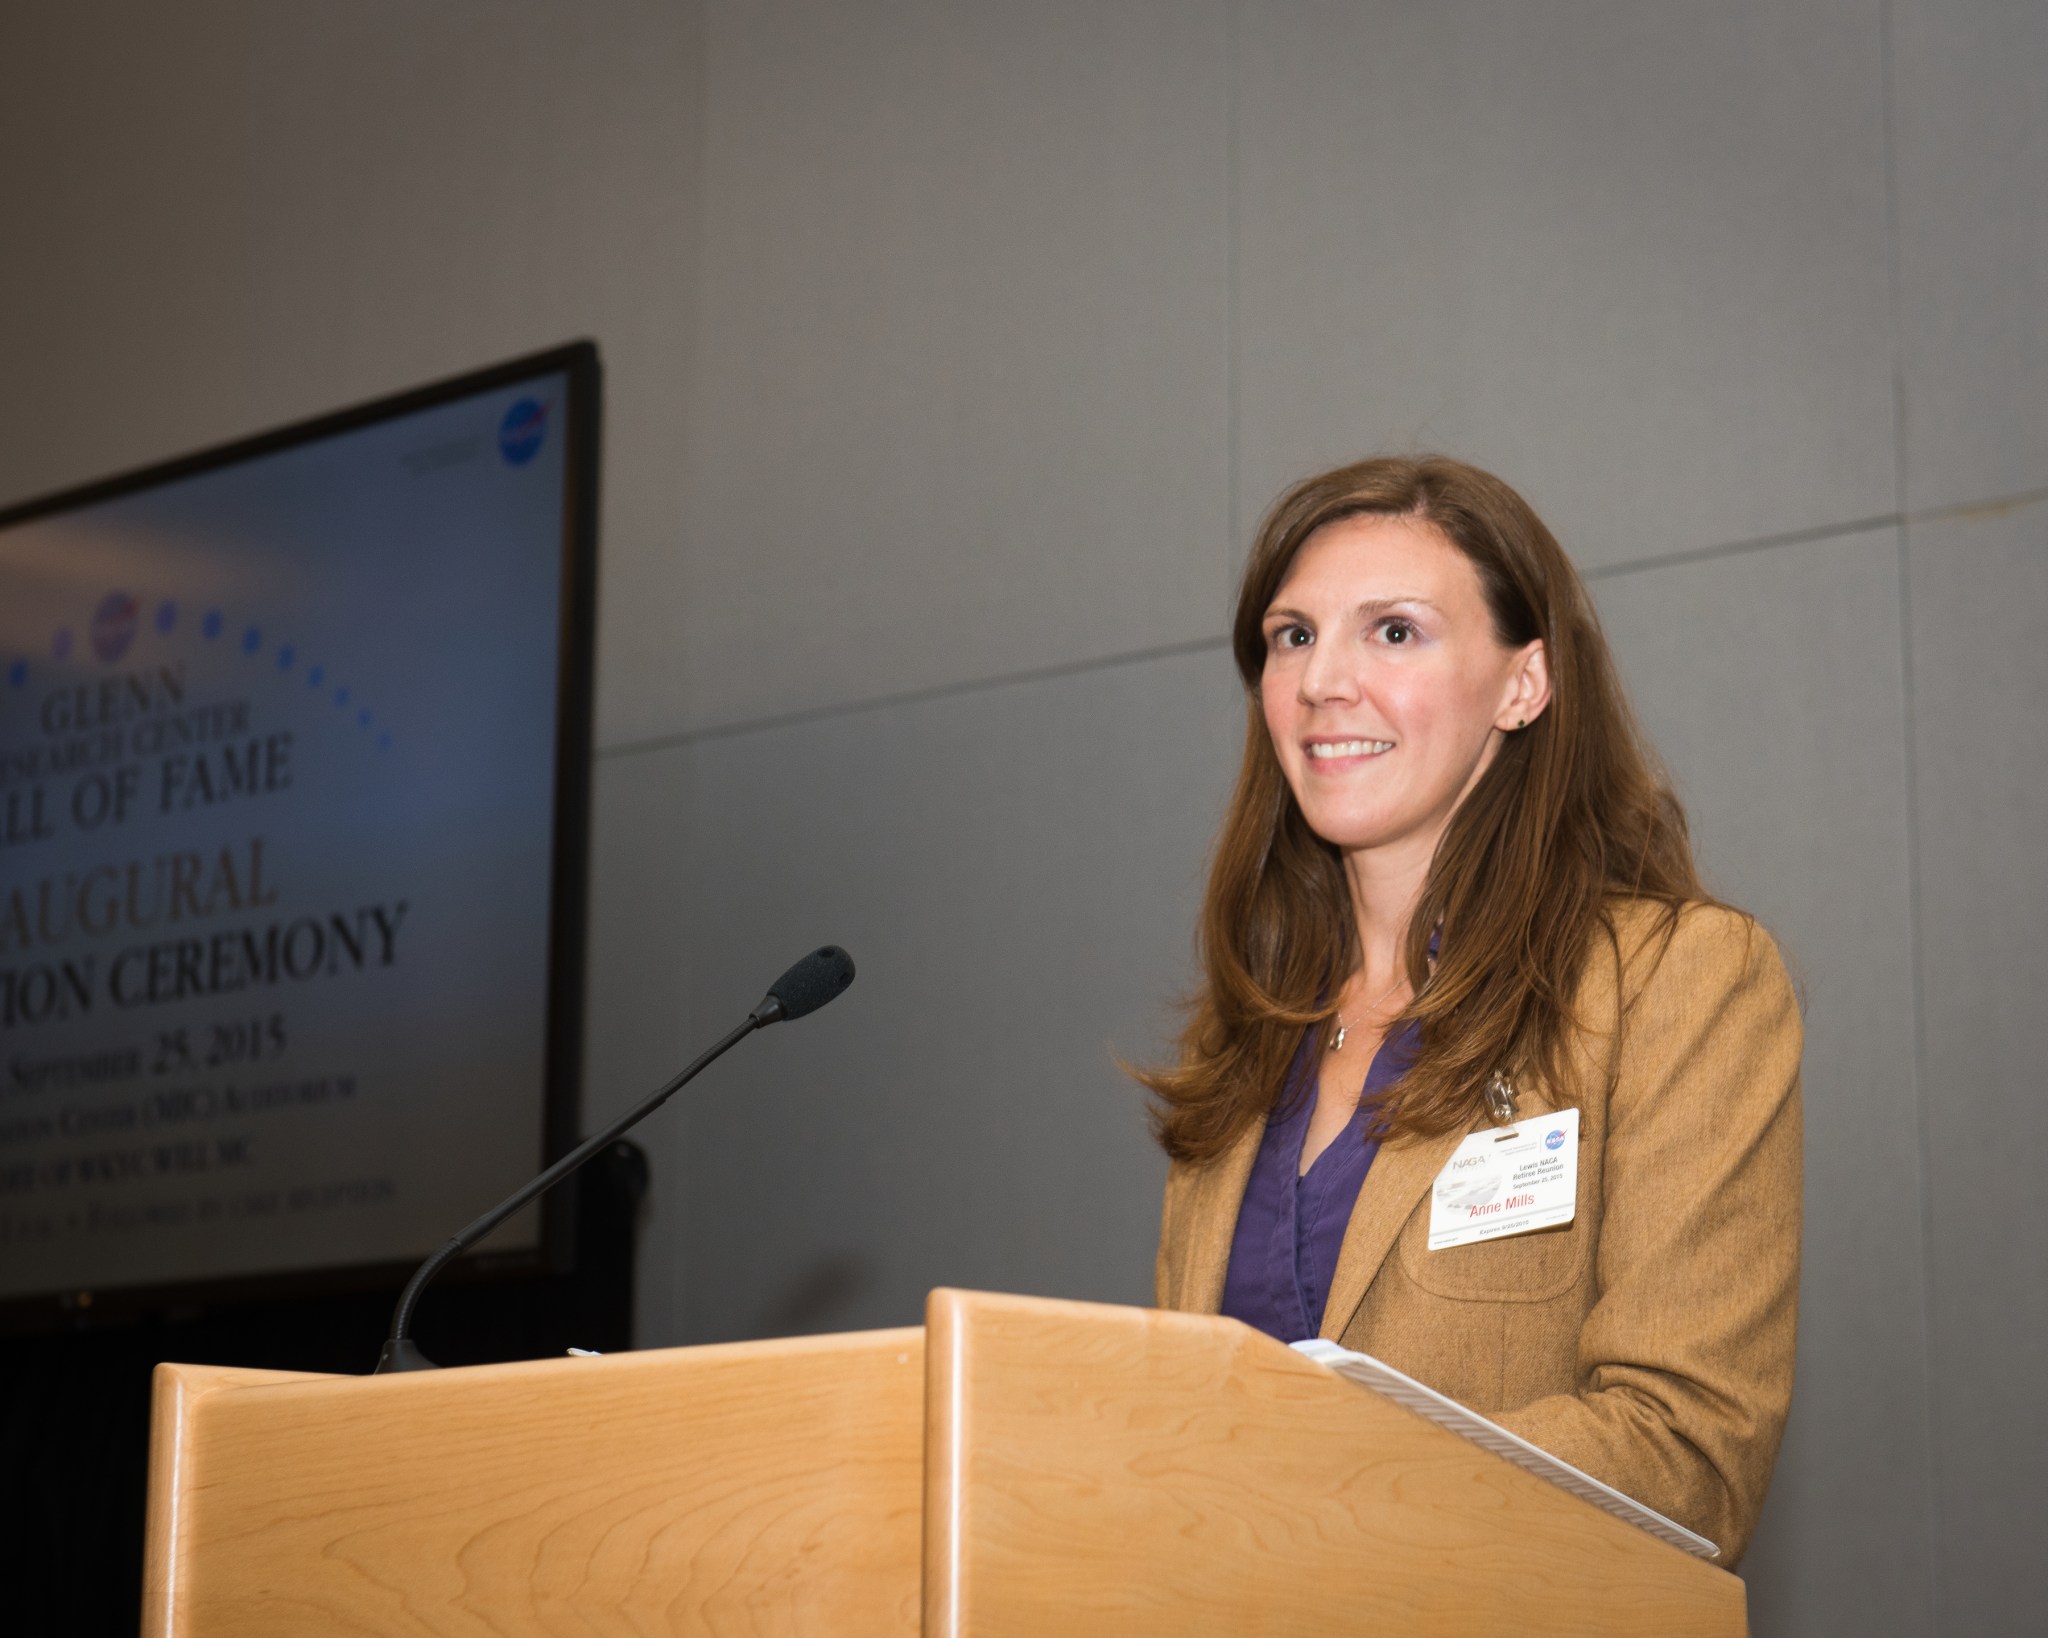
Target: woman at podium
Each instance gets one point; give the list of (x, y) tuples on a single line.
[(1478, 1078)]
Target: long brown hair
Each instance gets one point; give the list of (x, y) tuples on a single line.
[(1572, 814)]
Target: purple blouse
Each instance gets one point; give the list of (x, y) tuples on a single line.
[(1290, 1228)]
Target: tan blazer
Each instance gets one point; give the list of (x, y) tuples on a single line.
[(1650, 1341)]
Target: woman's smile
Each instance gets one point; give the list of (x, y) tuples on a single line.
[(1338, 755)]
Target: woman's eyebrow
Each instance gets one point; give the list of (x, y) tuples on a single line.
[(1371, 607), (1386, 605)]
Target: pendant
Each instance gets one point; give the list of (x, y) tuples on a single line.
[(1341, 1033)]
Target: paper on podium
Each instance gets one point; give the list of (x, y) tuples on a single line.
[(1434, 1407)]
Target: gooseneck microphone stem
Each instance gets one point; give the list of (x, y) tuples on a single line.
[(400, 1352), (807, 986)]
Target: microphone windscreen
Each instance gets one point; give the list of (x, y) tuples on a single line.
[(820, 977)]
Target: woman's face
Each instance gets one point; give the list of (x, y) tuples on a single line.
[(1385, 687)]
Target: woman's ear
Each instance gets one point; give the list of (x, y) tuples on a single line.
[(1528, 690)]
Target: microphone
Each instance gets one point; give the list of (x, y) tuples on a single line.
[(819, 977)]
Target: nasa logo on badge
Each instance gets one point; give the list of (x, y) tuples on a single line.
[(1555, 1140), (521, 432), (113, 626)]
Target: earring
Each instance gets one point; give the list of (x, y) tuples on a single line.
[(1521, 722)]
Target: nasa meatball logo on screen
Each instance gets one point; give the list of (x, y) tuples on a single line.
[(522, 431)]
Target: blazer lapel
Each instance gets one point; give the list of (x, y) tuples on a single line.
[(1399, 1177), (1212, 1225)]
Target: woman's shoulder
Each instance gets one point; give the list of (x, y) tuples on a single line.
[(1694, 948)]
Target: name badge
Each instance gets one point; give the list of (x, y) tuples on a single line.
[(1507, 1181)]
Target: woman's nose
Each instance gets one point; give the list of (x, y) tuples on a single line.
[(1327, 677)]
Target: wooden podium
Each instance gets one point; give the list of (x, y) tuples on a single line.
[(1016, 1466)]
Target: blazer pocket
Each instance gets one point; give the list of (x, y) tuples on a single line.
[(1534, 1267)]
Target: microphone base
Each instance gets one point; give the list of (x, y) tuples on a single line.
[(402, 1354)]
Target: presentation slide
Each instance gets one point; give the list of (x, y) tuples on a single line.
[(277, 784)]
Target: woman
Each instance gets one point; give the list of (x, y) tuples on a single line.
[(1452, 893)]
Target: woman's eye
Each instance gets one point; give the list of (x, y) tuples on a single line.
[(1397, 631), (1290, 636)]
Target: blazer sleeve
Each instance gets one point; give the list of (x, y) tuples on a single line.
[(1684, 1369)]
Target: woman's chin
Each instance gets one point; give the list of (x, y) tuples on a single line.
[(1349, 833), (1355, 830)]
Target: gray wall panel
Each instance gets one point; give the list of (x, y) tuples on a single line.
[(959, 407), (1979, 590), (1771, 682), (1016, 872), (223, 215), (1972, 139), (1632, 257), (646, 865)]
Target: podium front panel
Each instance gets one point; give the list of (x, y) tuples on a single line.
[(769, 1488), (1095, 1471)]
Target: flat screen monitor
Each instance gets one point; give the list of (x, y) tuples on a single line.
[(294, 779)]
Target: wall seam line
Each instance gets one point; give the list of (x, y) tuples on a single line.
[(680, 1283), (1932, 1512), (1609, 571), (1739, 548), (914, 696), (1233, 355)]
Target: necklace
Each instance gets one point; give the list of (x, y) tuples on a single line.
[(1343, 1029)]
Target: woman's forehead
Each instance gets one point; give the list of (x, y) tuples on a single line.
[(1376, 559)]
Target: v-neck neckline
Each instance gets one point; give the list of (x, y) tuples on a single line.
[(1357, 1116)]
